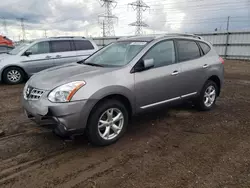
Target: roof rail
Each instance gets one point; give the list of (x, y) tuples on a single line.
[(68, 37), (181, 34)]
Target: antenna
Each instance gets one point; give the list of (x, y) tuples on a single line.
[(108, 18), (139, 6)]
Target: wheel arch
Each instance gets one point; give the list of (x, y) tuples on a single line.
[(217, 81), (120, 97), (15, 66)]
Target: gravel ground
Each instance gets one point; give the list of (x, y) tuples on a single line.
[(173, 148)]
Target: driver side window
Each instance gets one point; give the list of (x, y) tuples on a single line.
[(40, 48), (163, 54)]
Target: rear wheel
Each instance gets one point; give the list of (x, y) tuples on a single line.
[(208, 95), (13, 75), (107, 123)]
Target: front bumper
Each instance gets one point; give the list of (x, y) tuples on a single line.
[(66, 118)]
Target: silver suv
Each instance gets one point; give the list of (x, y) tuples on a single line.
[(30, 58), (127, 77)]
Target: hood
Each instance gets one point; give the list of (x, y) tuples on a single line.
[(56, 76), (4, 56)]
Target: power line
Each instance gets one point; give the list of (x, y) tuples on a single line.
[(139, 6), (108, 18)]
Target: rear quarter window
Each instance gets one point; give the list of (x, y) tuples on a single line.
[(187, 50), (205, 48)]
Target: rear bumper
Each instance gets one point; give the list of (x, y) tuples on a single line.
[(64, 118)]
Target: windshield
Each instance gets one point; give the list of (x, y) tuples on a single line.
[(17, 49), (117, 54)]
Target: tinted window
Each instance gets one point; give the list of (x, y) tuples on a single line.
[(205, 48), (163, 54), (61, 46), (187, 50), (83, 45), (40, 48)]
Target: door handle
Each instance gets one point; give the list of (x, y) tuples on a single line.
[(58, 56), (48, 57), (205, 66), (175, 73)]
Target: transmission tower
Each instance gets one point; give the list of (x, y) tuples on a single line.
[(107, 23), (23, 28), (139, 6)]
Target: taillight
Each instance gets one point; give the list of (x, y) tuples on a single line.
[(221, 60)]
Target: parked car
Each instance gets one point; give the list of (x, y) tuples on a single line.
[(6, 41), (125, 78), (30, 58), (5, 49)]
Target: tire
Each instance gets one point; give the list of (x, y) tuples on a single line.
[(202, 102), (96, 129), (16, 72)]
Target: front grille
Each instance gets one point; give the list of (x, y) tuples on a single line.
[(33, 93)]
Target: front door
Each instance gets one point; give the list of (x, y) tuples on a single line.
[(160, 84), (40, 58)]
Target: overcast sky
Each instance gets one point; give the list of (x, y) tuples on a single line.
[(80, 17)]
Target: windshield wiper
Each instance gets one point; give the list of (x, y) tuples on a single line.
[(93, 64)]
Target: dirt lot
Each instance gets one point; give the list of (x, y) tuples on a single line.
[(171, 148)]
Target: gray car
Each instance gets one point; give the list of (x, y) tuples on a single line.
[(99, 95), (30, 58)]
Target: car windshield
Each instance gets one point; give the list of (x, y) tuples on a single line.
[(117, 54), (17, 49)]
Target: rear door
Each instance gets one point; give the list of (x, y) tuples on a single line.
[(41, 58), (159, 84), (63, 52), (84, 49), (192, 72)]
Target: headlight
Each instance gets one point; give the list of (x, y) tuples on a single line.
[(65, 93), (24, 90)]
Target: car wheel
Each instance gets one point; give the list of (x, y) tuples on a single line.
[(107, 123), (208, 96), (13, 75)]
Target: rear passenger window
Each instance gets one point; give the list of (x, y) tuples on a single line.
[(205, 48), (61, 46), (83, 45), (187, 50), (163, 54)]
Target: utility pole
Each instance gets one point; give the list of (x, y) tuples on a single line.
[(23, 28), (5, 27), (139, 6), (228, 18), (45, 33), (108, 18), (103, 28), (227, 39)]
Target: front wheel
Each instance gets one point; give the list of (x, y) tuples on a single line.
[(208, 95), (108, 122)]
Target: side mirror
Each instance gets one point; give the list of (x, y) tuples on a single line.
[(27, 53), (143, 65), (148, 63)]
